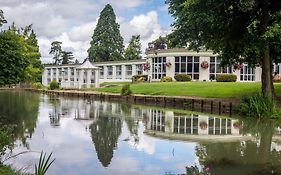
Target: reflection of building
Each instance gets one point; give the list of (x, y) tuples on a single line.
[(171, 122)]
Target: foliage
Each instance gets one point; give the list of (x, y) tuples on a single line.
[(56, 51), (107, 42), (182, 77), (43, 164), (76, 61), (67, 57), (2, 18), (226, 78), (133, 51), (126, 90), (7, 170), (166, 79), (5, 139), (194, 170), (13, 58), (146, 66), (204, 65), (37, 85), (54, 85), (239, 31), (234, 90), (159, 43), (139, 78), (258, 105)]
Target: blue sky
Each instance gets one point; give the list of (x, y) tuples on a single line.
[(72, 22)]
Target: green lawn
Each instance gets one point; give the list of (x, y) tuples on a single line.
[(198, 89)]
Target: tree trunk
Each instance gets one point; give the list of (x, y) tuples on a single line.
[(266, 62), (267, 83)]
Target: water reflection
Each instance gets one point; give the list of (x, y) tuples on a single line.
[(89, 136)]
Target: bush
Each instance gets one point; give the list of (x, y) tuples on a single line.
[(226, 78), (54, 85), (166, 79), (182, 77), (258, 105), (37, 85), (126, 90), (140, 78)]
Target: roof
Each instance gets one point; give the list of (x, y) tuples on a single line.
[(87, 65)]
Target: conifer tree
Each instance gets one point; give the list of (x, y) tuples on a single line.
[(133, 51), (107, 42)]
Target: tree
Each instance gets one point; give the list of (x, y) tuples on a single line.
[(56, 51), (159, 43), (2, 18), (76, 61), (239, 31), (67, 57), (133, 51), (13, 59), (107, 42)]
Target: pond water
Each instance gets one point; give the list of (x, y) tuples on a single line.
[(100, 137)]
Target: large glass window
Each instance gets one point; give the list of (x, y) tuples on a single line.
[(215, 68), (158, 67), (128, 70), (49, 71), (187, 65), (101, 72), (247, 73)]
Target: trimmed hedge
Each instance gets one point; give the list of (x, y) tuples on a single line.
[(182, 77), (166, 79), (126, 90), (140, 78), (226, 78)]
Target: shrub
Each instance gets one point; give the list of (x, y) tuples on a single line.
[(226, 78), (126, 90), (140, 78), (182, 77), (258, 105), (54, 85), (166, 79), (37, 85)]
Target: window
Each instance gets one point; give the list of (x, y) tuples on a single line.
[(128, 70), (109, 72), (54, 72), (247, 73), (49, 72), (101, 72), (187, 65), (119, 72), (158, 68), (139, 69), (72, 71), (215, 68)]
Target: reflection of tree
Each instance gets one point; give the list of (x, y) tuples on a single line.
[(131, 121), (20, 110), (243, 157), (105, 133)]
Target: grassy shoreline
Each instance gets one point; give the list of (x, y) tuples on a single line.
[(193, 89)]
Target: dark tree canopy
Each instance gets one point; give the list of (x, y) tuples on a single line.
[(2, 18), (240, 31), (107, 42), (67, 57), (159, 43), (133, 51)]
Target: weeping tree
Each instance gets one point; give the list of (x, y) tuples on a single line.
[(239, 31), (107, 42)]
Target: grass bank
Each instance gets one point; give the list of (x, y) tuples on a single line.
[(196, 89)]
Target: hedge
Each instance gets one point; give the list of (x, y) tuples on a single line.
[(226, 78), (166, 79), (182, 77), (139, 78)]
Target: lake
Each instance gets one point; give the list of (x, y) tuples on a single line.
[(102, 137)]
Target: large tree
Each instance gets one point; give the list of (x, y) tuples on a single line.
[(240, 31), (56, 51), (13, 59), (2, 18), (159, 43), (107, 42), (133, 51), (67, 57)]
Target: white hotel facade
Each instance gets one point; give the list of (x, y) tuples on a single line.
[(168, 62)]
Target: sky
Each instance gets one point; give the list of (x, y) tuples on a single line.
[(73, 21)]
